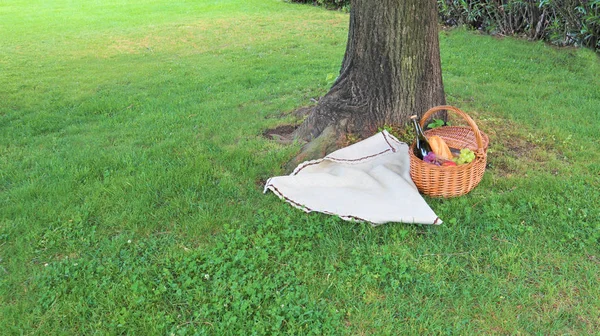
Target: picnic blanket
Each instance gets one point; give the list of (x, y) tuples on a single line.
[(368, 181)]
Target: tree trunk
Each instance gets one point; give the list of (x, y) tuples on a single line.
[(391, 70)]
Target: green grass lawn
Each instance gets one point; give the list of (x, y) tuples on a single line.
[(132, 163)]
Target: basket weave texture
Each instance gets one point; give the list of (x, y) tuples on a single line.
[(451, 181)]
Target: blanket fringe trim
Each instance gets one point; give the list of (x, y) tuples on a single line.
[(350, 218), (386, 136), (269, 186)]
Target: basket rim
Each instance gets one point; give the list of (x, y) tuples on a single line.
[(440, 132), (476, 131), (422, 163)]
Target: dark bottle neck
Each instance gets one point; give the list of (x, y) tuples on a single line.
[(418, 128)]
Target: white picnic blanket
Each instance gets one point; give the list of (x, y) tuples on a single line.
[(367, 181)]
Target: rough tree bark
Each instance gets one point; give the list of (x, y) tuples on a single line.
[(391, 70)]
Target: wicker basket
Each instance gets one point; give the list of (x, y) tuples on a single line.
[(451, 181)]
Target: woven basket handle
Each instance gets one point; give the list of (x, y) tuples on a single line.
[(471, 122)]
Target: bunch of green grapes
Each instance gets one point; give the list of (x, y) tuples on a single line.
[(466, 156)]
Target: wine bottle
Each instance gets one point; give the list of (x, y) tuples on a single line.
[(422, 147)]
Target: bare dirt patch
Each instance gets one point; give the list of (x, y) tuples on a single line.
[(279, 131), (514, 149), (282, 134)]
